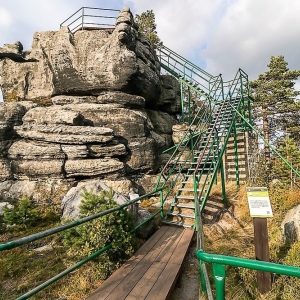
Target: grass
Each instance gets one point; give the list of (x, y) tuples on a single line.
[(236, 239)]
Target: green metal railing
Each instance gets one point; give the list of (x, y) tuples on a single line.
[(43, 234), (208, 130), (91, 17)]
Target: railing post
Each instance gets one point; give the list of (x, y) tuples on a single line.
[(82, 19), (202, 278), (161, 198), (224, 197), (182, 104), (219, 277), (236, 158)]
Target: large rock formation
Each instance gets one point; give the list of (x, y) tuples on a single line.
[(89, 104)]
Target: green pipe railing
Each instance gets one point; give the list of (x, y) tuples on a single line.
[(220, 261), (48, 232)]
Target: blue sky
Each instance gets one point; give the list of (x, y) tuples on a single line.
[(218, 35)]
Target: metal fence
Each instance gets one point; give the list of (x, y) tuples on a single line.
[(91, 18)]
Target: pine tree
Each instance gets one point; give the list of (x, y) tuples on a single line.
[(275, 101), (146, 23), (289, 150)]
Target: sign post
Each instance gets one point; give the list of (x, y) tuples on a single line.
[(260, 210)]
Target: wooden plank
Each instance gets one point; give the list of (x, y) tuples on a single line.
[(166, 281), (116, 278), (146, 283), (133, 277)]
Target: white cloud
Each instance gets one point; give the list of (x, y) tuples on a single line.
[(5, 18), (250, 32)]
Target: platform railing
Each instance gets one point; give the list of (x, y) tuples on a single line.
[(91, 18)]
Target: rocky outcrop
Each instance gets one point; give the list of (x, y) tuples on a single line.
[(10, 115), (169, 100), (86, 62), (100, 109)]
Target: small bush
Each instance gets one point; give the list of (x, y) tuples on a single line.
[(24, 213), (113, 228)]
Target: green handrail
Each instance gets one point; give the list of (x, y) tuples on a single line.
[(220, 261), (48, 232), (39, 235)]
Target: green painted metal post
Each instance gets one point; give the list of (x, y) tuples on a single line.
[(202, 278), (219, 277), (182, 104), (223, 184), (189, 103), (236, 158), (161, 198)]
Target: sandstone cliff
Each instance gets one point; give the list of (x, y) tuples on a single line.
[(83, 105)]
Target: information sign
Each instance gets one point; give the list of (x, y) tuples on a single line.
[(259, 202)]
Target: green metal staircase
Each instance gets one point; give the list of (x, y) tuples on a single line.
[(195, 162)]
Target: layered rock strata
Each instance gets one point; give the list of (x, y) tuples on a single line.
[(98, 107)]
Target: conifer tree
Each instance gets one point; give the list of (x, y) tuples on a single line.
[(275, 102), (147, 25), (289, 150)]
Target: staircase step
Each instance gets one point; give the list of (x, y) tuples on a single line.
[(185, 197), (188, 189), (180, 224), (181, 215), (183, 205)]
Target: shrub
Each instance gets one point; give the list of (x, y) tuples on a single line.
[(113, 228), (24, 213)]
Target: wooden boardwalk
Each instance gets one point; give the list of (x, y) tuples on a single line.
[(152, 271)]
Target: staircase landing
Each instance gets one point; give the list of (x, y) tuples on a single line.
[(152, 271)]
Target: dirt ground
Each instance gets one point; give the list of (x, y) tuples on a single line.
[(187, 287)]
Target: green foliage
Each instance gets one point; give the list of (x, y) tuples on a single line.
[(24, 213), (289, 150), (113, 228), (275, 100), (147, 26)]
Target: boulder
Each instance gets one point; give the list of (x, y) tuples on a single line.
[(4, 204), (11, 114), (66, 99), (33, 150), (123, 121), (34, 169), (12, 51), (46, 192), (125, 100), (290, 226), (169, 100), (11, 190), (75, 151), (161, 121), (5, 169), (92, 167), (53, 115), (71, 202), (107, 150), (143, 157), (65, 134)]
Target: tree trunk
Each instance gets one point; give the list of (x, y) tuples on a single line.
[(266, 135)]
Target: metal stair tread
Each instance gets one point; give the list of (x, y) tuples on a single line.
[(183, 205), (181, 224), (185, 197), (177, 214)]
